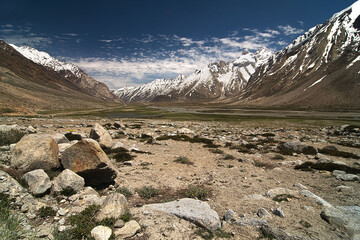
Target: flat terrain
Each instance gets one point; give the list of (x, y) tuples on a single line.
[(231, 174)]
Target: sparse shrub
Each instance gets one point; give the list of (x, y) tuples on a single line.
[(83, 222), (183, 160), (264, 165), (229, 157), (309, 150), (116, 150), (268, 135), (10, 224), (7, 110), (147, 192), (198, 192), (47, 212), (123, 157), (228, 144), (337, 153), (216, 150), (124, 191), (282, 197), (211, 145), (126, 216), (305, 224), (108, 222), (12, 136), (278, 157)]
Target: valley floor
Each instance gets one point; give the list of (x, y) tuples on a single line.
[(243, 164)]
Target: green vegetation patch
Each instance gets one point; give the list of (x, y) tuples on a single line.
[(147, 192), (124, 191), (10, 224), (183, 160), (12, 136), (208, 235), (283, 197), (198, 192), (47, 212), (337, 153)]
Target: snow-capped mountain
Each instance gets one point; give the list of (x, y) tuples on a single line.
[(319, 68), (70, 71), (217, 80)]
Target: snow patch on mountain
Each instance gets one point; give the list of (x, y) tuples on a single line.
[(44, 59)]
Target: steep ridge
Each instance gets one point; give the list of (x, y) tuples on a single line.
[(26, 86), (215, 81), (320, 69), (69, 71)]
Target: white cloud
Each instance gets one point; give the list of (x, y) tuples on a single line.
[(288, 30), (28, 40)]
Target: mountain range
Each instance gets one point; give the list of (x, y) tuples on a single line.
[(33, 80), (318, 70)]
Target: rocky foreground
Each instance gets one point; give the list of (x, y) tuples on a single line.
[(142, 179)]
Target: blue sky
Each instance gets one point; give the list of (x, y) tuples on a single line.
[(132, 42)]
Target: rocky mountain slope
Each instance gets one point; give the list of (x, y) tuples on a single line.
[(26, 85), (71, 72), (217, 80), (321, 68)]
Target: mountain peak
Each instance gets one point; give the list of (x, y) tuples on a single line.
[(44, 59)]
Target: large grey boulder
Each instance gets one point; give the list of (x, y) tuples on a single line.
[(192, 210), (67, 179), (114, 206), (35, 151), (99, 134), (343, 176), (38, 181), (87, 159), (60, 138), (347, 218)]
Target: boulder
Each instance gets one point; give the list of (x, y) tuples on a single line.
[(38, 181), (279, 212), (60, 138), (67, 179), (346, 218), (343, 176), (297, 147), (262, 213), (99, 134), (35, 151), (280, 191), (87, 159), (30, 129), (128, 230), (192, 210), (101, 233), (114, 206)]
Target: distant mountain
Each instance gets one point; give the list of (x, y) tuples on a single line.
[(71, 72), (320, 69), (216, 81), (26, 86)]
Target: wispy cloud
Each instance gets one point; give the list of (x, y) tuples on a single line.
[(289, 30)]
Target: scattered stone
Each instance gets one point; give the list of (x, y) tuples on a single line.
[(230, 216), (185, 131), (262, 213), (35, 151), (300, 186), (255, 197), (130, 229), (62, 212), (67, 179), (99, 134), (129, 163), (87, 159), (119, 223), (246, 221), (279, 191), (317, 199), (343, 176), (30, 129), (279, 212), (71, 136), (277, 233), (192, 210), (114, 206), (101, 233), (347, 218), (38, 181), (117, 145)]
